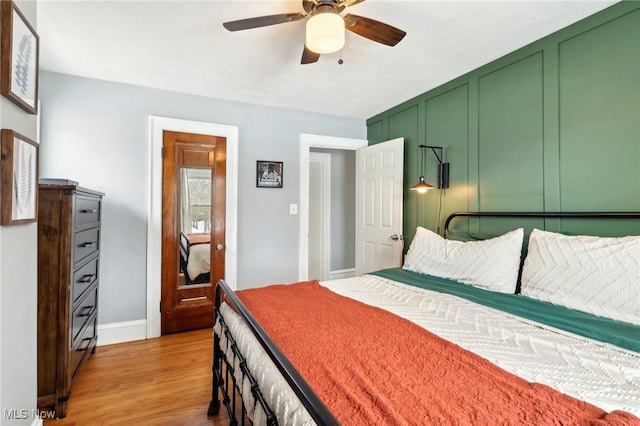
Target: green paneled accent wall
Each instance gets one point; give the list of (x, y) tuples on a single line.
[(375, 132), (599, 116), (405, 124), (510, 125), (553, 126), (446, 119)]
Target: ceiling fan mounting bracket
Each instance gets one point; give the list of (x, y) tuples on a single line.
[(324, 7)]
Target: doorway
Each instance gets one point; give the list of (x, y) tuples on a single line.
[(157, 125), (308, 141), (193, 228)]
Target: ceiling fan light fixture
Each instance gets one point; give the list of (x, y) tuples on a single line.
[(325, 32)]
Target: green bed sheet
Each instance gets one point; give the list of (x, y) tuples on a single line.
[(614, 332)]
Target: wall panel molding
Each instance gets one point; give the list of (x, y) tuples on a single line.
[(551, 126)]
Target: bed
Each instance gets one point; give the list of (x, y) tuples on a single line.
[(504, 344), (195, 257)]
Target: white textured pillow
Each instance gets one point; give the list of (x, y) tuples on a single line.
[(491, 264), (597, 275)]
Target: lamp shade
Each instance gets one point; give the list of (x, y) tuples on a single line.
[(325, 32), (421, 186)]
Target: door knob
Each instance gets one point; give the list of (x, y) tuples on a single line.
[(219, 246), (396, 237)]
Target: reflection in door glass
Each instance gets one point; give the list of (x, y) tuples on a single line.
[(195, 226)]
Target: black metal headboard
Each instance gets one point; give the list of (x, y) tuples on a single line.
[(544, 215)]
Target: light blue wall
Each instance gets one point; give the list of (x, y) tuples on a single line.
[(18, 287), (95, 132)]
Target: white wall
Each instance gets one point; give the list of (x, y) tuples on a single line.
[(18, 287), (95, 132)]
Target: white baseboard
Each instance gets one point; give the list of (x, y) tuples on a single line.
[(120, 332), (342, 273)]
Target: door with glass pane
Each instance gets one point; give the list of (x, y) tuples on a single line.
[(193, 228)]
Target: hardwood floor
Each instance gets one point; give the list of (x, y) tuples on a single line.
[(162, 381)]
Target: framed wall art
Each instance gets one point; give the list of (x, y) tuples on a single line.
[(269, 174), (19, 56), (19, 179)]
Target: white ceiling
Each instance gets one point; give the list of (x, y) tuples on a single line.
[(181, 46)]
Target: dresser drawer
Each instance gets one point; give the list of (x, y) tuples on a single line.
[(86, 243), (83, 278), (86, 342), (82, 313), (88, 211)]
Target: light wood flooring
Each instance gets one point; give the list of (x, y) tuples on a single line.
[(162, 381)]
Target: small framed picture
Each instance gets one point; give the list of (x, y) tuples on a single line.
[(269, 174), (19, 55), (19, 179)]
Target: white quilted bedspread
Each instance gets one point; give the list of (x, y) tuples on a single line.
[(601, 374)]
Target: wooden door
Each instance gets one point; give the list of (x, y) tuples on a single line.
[(379, 177), (193, 228)]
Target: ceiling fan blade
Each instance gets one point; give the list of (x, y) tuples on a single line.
[(262, 21), (309, 57), (373, 30)]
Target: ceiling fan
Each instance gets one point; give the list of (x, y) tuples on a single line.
[(325, 27)]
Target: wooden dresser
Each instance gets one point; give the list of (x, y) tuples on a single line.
[(68, 270)]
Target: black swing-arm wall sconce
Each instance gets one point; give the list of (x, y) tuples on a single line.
[(443, 170)]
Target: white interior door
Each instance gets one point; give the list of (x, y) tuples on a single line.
[(379, 176), (319, 215)]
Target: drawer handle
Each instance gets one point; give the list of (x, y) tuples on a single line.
[(87, 278), (89, 211), (83, 348), (88, 311), (89, 244)]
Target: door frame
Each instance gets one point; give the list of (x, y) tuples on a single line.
[(154, 202), (324, 159), (306, 142)]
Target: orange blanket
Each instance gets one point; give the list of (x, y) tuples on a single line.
[(199, 239), (371, 367)]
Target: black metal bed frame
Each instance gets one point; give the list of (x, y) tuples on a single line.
[(223, 368), (544, 215), (225, 380), (185, 251)]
